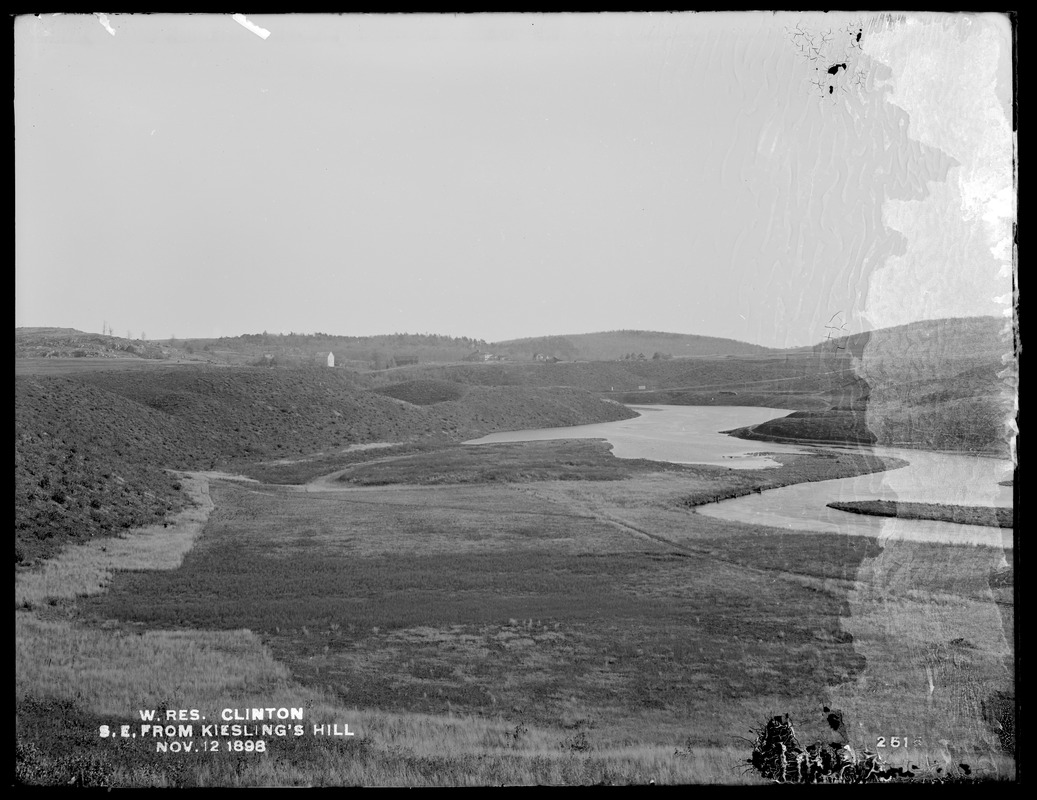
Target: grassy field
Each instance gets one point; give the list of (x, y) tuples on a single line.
[(523, 613), (505, 628), (519, 462)]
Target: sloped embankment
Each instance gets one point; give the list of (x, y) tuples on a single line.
[(91, 450), (424, 392)]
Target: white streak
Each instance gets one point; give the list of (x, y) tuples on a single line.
[(262, 33), (104, 22)]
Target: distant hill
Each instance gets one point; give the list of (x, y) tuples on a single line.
[(615, 345), (256, 349), (977, 338), (927, 341), (355, 352), (72, 343), (946, 384), (403, 349), (643, 381), (373, 352), (44, 331), (91, 446)]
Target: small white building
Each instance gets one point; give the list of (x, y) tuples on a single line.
[(331, 359)]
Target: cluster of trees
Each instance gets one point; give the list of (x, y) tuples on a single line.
[(392, 339), (657, 356), (108, 330)]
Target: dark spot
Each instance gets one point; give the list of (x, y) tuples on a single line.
[(835, 722), (834, 69), (831, 89), (859, 34)]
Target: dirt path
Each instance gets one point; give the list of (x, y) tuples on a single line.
[(331, 483), (353, 448)]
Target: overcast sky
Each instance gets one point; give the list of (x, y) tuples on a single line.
[(745, 175)]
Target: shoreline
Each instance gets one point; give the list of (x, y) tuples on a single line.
[(935, 512), (750, 435)]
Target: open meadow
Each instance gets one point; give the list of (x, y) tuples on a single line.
[(201, 537), (537, 613)]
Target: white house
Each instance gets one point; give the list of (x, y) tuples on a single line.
[(331, 359)]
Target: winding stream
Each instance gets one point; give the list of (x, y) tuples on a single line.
[(691, 435)]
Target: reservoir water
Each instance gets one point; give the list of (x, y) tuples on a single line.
[(691, 435), (678, 434)]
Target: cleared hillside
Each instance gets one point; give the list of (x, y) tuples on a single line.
[(940, 384), (259, 349), (923, 345), (91, 445), (743, 374), (613, 345), (356, 352), (90, 449), (59, 343), (424, 393)]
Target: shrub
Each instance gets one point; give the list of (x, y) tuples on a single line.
[(777, 756)]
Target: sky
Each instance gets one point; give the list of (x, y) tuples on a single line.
[(757, 176)]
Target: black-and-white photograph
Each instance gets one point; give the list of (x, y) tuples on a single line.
[(515, 399)]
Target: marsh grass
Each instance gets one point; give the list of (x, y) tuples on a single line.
[(73, 680), (512, 462), (507, 634), (548, 614)]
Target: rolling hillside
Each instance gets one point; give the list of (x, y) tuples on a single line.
[(691, 381), (929, 342), (945, 384), (261, 349), (91, 448), (614, 345), (60, 343)]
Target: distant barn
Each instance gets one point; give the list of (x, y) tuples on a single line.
[(327, 358)]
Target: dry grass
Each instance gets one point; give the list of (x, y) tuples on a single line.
[(937, 646), (86, 569), (109, 672), (114, 672), (549, 633)]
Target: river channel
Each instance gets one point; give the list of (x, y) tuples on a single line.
[(692, 435)]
